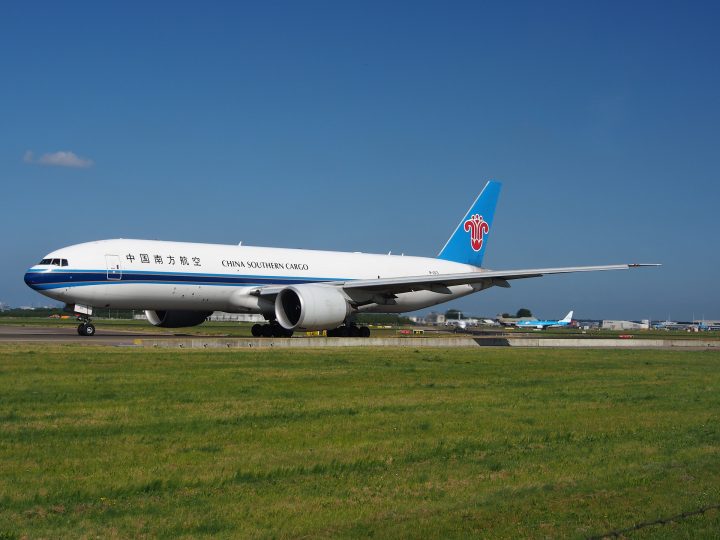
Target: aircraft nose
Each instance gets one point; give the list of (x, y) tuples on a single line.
[(31, 279)]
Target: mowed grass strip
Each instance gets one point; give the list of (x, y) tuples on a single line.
[(349, 443)]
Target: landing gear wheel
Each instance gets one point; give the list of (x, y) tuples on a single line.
[(277, 330), (349, 331), (284, 332), (267, 330), (256, 330), (86, 329)]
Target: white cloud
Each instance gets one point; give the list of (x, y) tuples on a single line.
[(59, 159), (64, 159)]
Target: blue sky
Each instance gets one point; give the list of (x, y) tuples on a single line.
[(371, 127)]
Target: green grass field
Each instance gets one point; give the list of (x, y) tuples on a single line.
[(500, 443)]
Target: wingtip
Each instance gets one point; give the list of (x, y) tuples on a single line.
[(641, 265)]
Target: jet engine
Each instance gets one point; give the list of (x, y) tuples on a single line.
[(176, 318), (312, 307)]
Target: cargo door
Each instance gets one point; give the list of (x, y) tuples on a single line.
[(114, 272)]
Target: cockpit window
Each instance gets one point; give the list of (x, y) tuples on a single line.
[(54, 262)]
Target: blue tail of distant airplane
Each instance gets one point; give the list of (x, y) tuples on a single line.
[(468, 242)]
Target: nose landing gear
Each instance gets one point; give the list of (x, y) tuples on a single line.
[(85, 328), (82, 312)]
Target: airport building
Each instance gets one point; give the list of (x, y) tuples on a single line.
[(694, 326), (625, 325)]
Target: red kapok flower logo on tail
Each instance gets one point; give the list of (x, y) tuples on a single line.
[(477, 227)]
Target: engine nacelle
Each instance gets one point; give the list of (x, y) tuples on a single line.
[(312, 307), (176, 318)]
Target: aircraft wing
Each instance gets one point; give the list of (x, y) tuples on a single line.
[(438, 283), (498, 278)]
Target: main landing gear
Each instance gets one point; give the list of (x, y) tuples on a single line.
[(273, 329), (349, 330)]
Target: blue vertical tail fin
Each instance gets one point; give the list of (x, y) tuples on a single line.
[(468, 242)]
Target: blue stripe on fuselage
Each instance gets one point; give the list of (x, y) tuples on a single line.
[(44, 280)]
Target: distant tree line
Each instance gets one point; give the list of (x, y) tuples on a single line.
[(382, 319), (455, 314), (522, 312), (38, 312), (49, 312)]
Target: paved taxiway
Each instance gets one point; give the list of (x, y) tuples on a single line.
[(118, 338), (43, 334)]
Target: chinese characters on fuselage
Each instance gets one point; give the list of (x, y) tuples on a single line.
[(170, 260)]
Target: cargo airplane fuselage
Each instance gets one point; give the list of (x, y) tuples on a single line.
[(179, 284), (158, 275)]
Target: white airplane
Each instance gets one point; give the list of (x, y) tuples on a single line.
[(535, 323), (462, 324), (180, 284)]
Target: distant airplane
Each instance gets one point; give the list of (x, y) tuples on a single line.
[(181, 284), (462, 324), (545, 324)]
